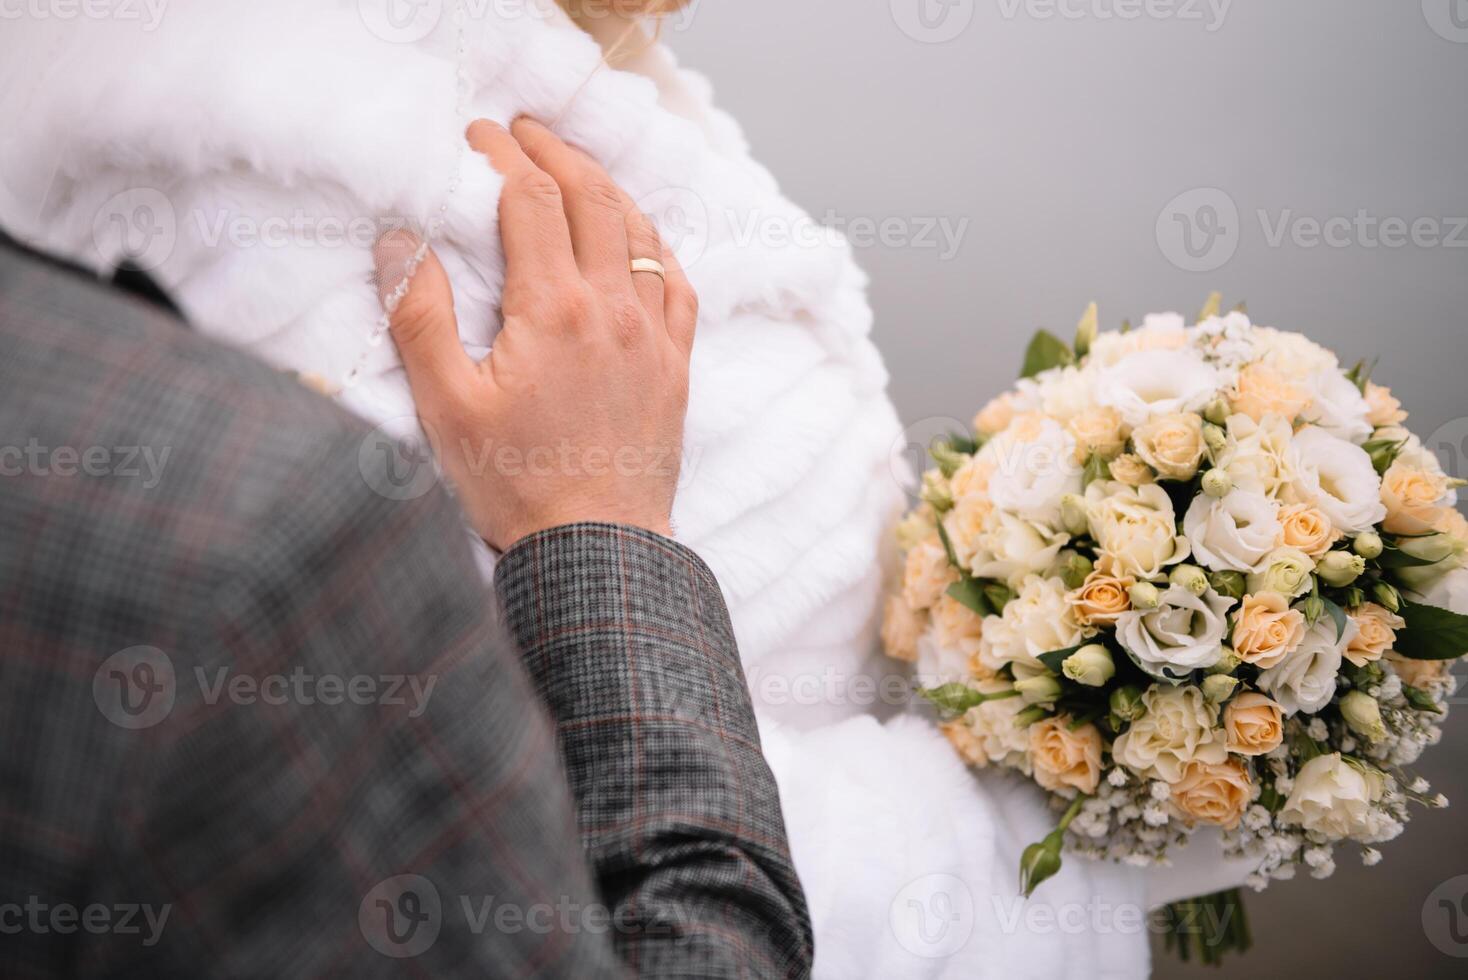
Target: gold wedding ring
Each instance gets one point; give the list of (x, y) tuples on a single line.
[(650, 265)]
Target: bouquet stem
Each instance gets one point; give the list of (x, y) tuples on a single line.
[(1210, 926)]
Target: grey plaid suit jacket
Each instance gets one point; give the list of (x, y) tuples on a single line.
[(259, 719)]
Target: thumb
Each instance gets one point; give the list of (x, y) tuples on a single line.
[(422, 322)]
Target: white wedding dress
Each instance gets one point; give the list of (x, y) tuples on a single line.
[(247, 152)]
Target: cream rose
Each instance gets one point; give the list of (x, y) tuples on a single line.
[(995, 417), (1235, 533), (1009, 547), (1184, 633), (1171, 444), (927, 575), (1037, 620), (1305, 680), (1376, 631), (1334, 798), (1260, 456), (1177, 726), (1099, 432), (996, 724), (1260, 391), (1063, 758), (1305, 527), (1381, 408), (1157, 382), (966, 524), (1213, 793), (1102, 597), (1293, 354), (1135, 527), (901, 627), (1159, 331), (1338, 477), (1129, 469), (1415, 496), (1253, 724), (1266, 629)]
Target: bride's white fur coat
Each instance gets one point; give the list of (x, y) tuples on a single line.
[(229, 115)]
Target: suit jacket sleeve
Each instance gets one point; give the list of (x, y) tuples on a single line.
[(628, 641)]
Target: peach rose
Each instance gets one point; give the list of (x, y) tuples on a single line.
[(1216, 794), (969, 746), (901, 627), (1101, 598), (1062, 757), (1171, 444), (1411, 496), (971, 480), (1254, 724), (1130, 470), (1381, 408), (927, 575), (1420, 674), (995, 417), (1098, 431), (1306, 528), (957, 626), (1261, 390), (1266, 629), (1376, 631)]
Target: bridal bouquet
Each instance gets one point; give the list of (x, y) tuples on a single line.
[(1186, 576)]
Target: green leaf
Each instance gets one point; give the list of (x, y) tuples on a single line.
[(1055, 658), (1421, 700), (1339, 615), (955, 698), (1046, 351), (970, 592), (1397, 558), (1383, 452), (1432, 633), (1096, 469)]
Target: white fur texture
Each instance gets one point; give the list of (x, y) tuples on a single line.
[(238, 113)]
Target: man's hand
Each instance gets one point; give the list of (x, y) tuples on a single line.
[(577, 414)]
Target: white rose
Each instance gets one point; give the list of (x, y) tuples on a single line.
[(1337, 477), (1159, 331), (1038, 620), (1136, 527), (1177, 726), (1338, 406), (1033, 470), (1184, 633), (1234, 533), (1305, 680), (1157, 382), (1334, 798), (1260, 456), (1293, 354), (1060, 393), (1009, 547)]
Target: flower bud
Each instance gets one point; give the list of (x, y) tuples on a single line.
[(949, 460), (1039, 861), (1126, 703), (1040, 689), (1368, 545), (1387, 596), (1433, 547), (1217, 411), (1030, 715), (1228, 663), (1217, 483), (1090, 666), (1073, 515), (1144, 595), (1190, 577), (1074, 567), (1363, 714), (1217, 688), (1353, 597), (935, 491), (1340, 568), (1086, 331), (1230, 584), (1312, 609)]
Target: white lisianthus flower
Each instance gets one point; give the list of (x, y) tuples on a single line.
[(1334, 798), (1184, 633), (1448, 592), (1338, 478), (1177, 726), (1292, 354), (1157, 382), (1234, 533), (1033, 468), (1338, 406), (1305, 680), (1260, 456), (1135, 527), (1159, 331), (1008, 547), (1037, 620)]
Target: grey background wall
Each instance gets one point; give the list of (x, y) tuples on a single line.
[(1077, 152)]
